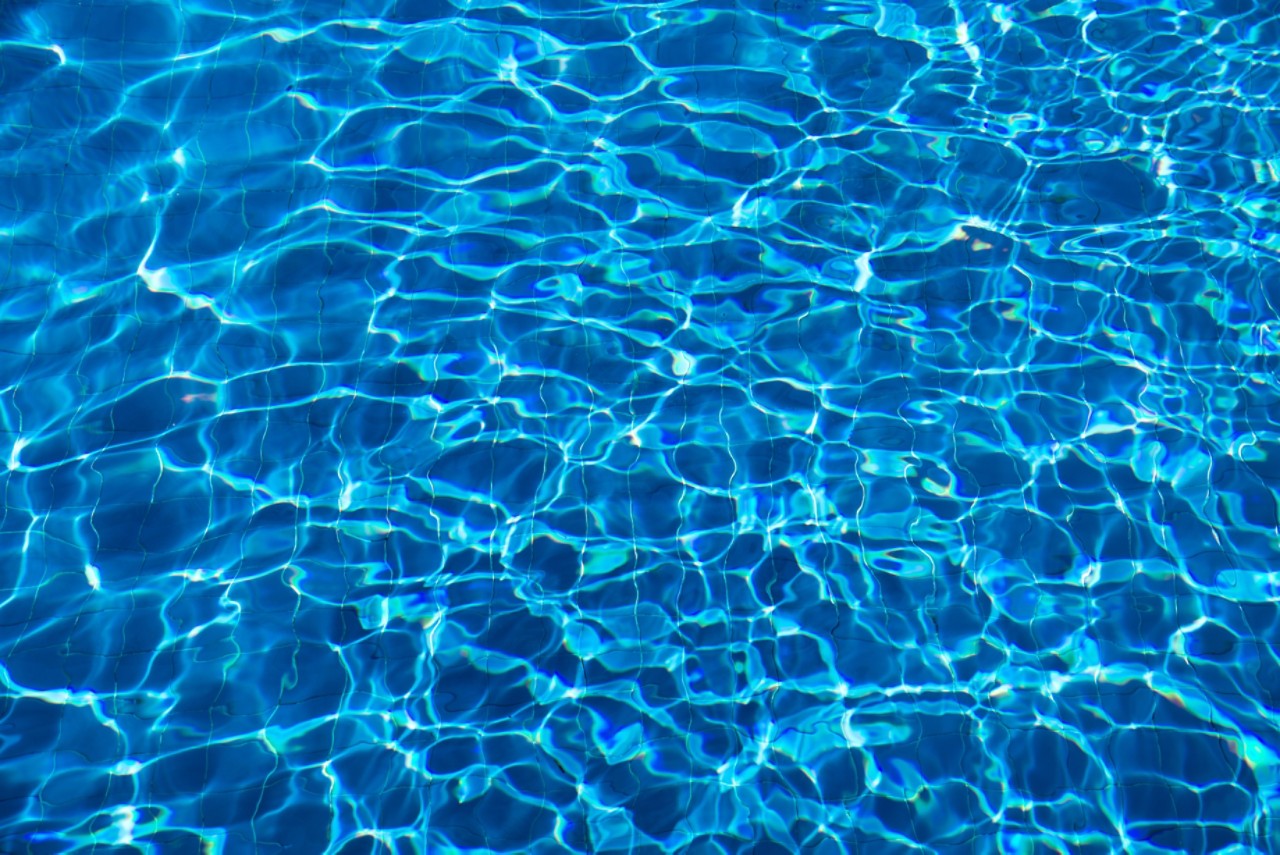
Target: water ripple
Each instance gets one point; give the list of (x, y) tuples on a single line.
[(572, 427)]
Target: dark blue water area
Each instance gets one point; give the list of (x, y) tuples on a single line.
[(709, 427)]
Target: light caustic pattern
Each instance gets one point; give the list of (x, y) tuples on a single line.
[(582, 427)]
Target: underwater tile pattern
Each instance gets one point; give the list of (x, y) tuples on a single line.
[(576, 426)]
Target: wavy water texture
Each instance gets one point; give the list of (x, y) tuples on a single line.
[(577, 427)]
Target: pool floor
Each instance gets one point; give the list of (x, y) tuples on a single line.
[(576, 427)]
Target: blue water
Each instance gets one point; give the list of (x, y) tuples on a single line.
[(716, 427)]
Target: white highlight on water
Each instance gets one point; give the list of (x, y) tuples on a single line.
[(682, 363)]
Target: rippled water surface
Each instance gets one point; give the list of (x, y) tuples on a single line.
[(711, 427)]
